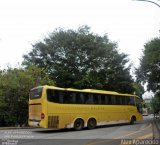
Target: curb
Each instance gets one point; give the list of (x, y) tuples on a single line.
[(10, 128), (158, 124)]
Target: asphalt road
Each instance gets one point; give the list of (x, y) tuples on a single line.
[(111, 135)]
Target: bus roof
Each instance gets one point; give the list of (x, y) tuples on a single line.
[(100, 91), (87, 90)]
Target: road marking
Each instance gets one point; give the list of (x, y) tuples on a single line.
[(150, 135), (97, 142), (134, 132)]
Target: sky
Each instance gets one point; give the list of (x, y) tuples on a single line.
[(23, 22)]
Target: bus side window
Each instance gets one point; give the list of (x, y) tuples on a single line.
[(61, 97), (97, 99), (130, 100), (91, 99), (139, 105), (113, 100), (109, 99), (123, 99), (118, 100), (68, 97), (86, 98), (79, 98), (73, 97), (103, 99), (53, 95), (50, 95), (65, 98)]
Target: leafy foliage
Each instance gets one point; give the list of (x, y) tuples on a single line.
[(82, 59), (155, 104), (149, 70), (14, 90), (139, 89)]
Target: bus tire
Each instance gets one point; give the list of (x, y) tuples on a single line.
[(78, 124), (92, 123), (133, 119)]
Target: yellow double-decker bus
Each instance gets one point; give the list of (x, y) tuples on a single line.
[(54, 107)]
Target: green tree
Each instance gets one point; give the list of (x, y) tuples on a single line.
[(82, 59), (149, 70), (155, 104), (139, 89), (14, 91)]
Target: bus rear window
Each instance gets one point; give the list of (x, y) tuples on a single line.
[(35, 93)]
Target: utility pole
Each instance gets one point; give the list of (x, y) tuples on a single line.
[(149, 2)]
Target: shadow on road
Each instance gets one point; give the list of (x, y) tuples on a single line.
[(72, 130)]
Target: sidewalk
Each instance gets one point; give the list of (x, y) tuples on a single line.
[(156, 122)]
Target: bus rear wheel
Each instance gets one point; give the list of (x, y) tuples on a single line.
[(78, 124), (91, 123)]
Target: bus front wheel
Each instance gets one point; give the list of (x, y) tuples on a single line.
[(133, 119), (91, 123), (78, 124)]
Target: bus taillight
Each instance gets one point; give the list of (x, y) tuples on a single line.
[(42, 116)]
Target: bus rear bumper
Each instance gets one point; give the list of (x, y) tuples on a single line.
[(34, 123)]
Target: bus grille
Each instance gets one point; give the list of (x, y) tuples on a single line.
[(53, 121)]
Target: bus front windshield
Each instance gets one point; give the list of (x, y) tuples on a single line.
[(139, 105), (35, 93)]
